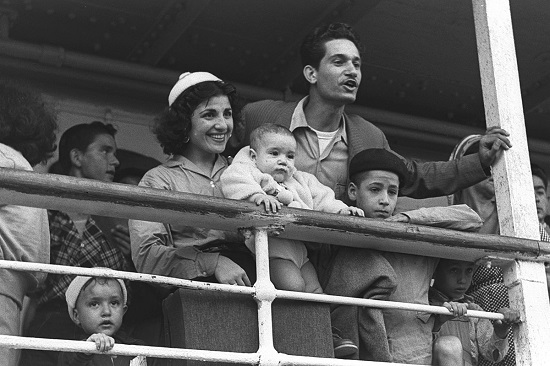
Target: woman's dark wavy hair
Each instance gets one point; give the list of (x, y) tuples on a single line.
[(27, 124), (173, 125), (313, 49)]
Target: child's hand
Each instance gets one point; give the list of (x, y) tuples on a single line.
[(457, 308), (354, 211), (271, 204), (501, 326), (102, 342)]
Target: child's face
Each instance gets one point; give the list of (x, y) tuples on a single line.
[(376, 193), (453, 277), (275, 156), (100, 307)]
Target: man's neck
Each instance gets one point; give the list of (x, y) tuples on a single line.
[(322, 116)]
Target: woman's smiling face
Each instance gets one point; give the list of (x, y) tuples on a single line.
[(211, 127)]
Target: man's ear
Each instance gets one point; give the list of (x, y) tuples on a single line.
[(310, 74), (124, 309), (252, 154), (75, 317), (75, 155), (352, 191)]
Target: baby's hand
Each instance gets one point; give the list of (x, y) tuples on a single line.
[(354, 211), (271, 203), (102, 341), (501, 326)]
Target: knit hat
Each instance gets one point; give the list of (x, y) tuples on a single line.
[(188, 79), (76, 285), (379, 159)]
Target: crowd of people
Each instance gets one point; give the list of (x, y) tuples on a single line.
[(308, 154)]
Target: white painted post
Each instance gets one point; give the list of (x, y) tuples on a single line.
[(265, 294), (512, 174)]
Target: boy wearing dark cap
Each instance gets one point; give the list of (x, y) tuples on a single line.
[(375, 178)]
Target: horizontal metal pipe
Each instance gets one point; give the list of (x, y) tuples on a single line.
[(109, 273), (131, 276), (176, 353), (128, 350)]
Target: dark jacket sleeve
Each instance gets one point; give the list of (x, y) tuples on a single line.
[(439, 178), (427, 179)]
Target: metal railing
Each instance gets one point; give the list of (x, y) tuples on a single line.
[(117, 200)]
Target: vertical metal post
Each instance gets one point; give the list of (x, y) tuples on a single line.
[(265, 294), (512, 174)]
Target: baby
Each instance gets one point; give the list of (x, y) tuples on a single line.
[(264, 173), (97, 305)]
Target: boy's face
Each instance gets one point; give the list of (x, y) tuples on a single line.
[(376, 193), (100, 307), (99, 161), (275, 155), (453, 278)]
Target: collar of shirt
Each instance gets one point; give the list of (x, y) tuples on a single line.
[(182, 161), (299, 120)]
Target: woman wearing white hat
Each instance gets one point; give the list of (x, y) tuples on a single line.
[(194, 131)]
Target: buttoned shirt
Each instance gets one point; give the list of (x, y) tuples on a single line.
[(175, 250), (330, 166), (68, 247)]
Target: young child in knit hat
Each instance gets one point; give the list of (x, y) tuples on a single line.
[(97, 305)]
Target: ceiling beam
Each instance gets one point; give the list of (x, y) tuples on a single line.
[(350, 12), (170, 32)]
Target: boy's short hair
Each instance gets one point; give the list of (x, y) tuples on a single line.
[(377, 159), (259, 132), (80, 137), (537, 171), (79, 283)]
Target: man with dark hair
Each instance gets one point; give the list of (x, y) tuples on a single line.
[(327, 138), (27, 137), (85, 151)]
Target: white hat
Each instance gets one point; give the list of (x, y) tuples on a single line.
[(188, 79), (76, 285)]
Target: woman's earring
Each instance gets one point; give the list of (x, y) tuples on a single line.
[(186, 139)]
